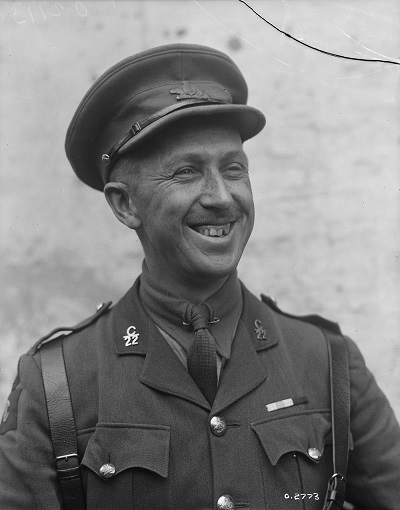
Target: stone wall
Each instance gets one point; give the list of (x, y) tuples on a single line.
[(325, 170)]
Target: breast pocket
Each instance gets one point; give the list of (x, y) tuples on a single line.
[(127, 467), (296, 459)]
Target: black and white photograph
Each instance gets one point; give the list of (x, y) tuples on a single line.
[(200, 255)]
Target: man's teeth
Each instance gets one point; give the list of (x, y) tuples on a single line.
[(214, 230)]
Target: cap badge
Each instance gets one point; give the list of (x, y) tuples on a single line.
[(260, 331), (188, 91), (131, 337)]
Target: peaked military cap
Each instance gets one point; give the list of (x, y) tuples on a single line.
[(145, 93)]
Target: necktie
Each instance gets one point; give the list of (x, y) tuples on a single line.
[(201, 356)]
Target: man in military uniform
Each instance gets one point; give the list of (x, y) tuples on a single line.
[(189, 392)]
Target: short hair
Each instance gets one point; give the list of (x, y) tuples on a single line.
[(127, 167), (123, 170)]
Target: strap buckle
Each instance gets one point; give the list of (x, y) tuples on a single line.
[(335, 493), (67, 456), (67, 466), (135, 128), (337, 475)]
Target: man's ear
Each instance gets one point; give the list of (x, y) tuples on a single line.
[(119, 198)]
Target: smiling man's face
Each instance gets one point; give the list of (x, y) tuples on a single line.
[(194, 201)]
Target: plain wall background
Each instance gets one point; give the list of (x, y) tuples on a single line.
[(325, 170)]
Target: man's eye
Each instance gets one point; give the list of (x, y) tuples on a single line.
[(236, 169), (185, 172)]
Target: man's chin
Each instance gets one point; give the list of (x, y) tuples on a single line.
[(214, 270)]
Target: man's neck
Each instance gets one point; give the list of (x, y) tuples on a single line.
[(194, 290)]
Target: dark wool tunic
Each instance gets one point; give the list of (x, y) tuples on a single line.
[(137, 408)]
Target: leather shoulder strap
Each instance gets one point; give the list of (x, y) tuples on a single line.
[(62, 425), (60, 412), (340, 401), (340, 410)]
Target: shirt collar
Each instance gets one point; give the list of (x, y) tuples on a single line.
[(168, 311)]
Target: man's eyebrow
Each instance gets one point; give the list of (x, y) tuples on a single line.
[(198, 157), (235, 153)]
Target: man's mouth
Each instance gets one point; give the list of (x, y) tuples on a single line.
[(213, 230)]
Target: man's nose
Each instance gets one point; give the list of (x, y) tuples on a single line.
[(215, 192)]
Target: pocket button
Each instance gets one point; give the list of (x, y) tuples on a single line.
[(107, 470), (225, 502), (314, 454)]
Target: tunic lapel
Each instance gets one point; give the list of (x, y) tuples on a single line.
[(162, 370), (244, 371)]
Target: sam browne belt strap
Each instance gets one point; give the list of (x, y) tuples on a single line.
[(62, 425)]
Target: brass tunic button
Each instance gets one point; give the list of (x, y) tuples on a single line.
[(107, 470), (225, 502), (218, 425), (314, 454)]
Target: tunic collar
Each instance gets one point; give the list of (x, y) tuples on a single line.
[(168, 311)]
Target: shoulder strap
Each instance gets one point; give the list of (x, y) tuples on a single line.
[(314, 319), (62, 425), (102, 308), (340, 410)]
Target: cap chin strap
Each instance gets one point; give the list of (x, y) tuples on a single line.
[(107, 158)]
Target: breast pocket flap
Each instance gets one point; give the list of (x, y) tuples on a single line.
[(125, 446), (306, 434)]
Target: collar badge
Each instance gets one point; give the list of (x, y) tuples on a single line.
[(131, 337), (188, 91), (260, 331)]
